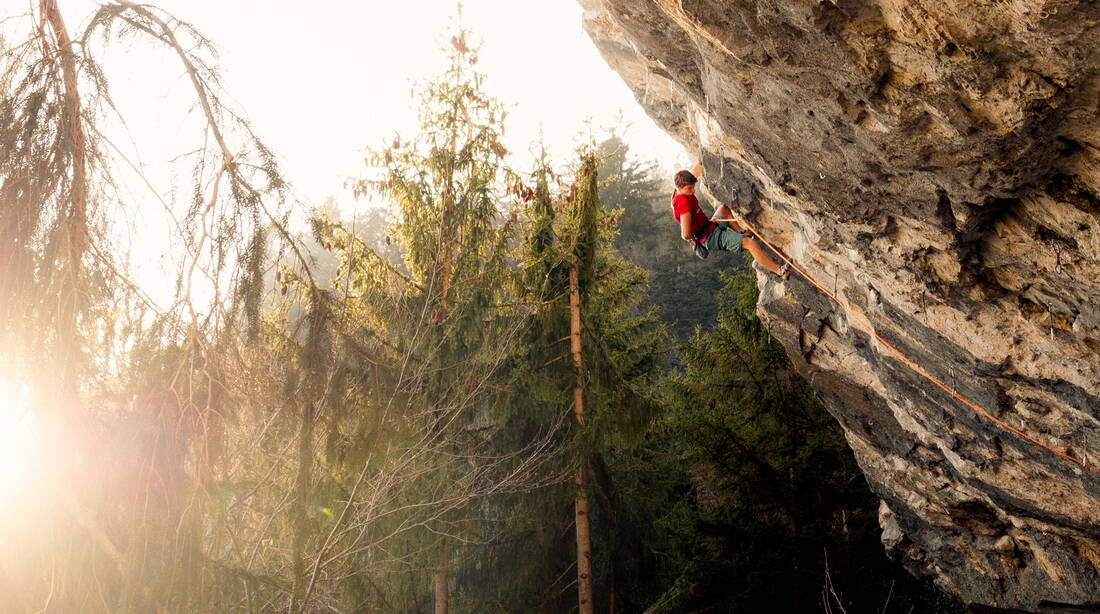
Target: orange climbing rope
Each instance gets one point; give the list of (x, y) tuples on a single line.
[(865, 324)]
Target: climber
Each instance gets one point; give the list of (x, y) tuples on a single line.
[(707, 234)]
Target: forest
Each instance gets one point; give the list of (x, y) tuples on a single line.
[(499, 390)]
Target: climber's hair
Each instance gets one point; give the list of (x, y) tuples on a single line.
[(684, 178)]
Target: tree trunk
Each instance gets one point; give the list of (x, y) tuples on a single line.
[(74, 128), (76, 222), (440, 580), (584, 541)]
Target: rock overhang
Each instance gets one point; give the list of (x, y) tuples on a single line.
[(937, 166)]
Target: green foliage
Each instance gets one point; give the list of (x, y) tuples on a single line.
[(745, 493), (623, 348), (442, 327), (404, 410)]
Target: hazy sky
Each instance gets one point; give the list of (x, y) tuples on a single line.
[(321, 80)]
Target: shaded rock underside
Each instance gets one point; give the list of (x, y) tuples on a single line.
[(935, 164)]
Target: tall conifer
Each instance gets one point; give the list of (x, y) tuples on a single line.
[(621, 347), (446, 328)]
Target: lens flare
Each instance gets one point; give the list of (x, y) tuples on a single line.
[(16, 440)]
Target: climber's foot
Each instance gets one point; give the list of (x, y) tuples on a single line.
[(784, 271)]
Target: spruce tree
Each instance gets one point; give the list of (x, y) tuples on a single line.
[(571, 235), (744, 496), (445, 328)]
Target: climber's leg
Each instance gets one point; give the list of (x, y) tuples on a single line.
[(725, 213), (754, 247)]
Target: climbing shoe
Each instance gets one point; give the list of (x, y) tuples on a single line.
[(785, 270)]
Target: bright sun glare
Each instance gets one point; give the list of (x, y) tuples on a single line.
[(16, 438)]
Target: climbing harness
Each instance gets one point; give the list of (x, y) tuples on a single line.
[(700, 236), (865, 324)]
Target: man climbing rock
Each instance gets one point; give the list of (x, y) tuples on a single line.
[(706, 234)]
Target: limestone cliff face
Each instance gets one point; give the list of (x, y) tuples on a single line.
[(936, 164)]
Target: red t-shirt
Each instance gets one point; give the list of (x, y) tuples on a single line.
[(681, 204)]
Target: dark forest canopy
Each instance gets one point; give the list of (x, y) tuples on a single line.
[(409, 417)]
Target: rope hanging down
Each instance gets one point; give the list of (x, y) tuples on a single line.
[(865, 324)]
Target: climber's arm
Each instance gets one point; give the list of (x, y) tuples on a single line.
[(685, 226), (697, 170)]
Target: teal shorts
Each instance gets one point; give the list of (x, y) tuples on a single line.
[(724, 238)]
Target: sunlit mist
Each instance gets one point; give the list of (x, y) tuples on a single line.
[(16, 439)]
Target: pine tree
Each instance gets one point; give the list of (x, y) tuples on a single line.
[(570, 269), (581, 269), (445, 328), (745, 485)]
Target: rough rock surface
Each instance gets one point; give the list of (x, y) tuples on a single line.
[(936, 164)]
